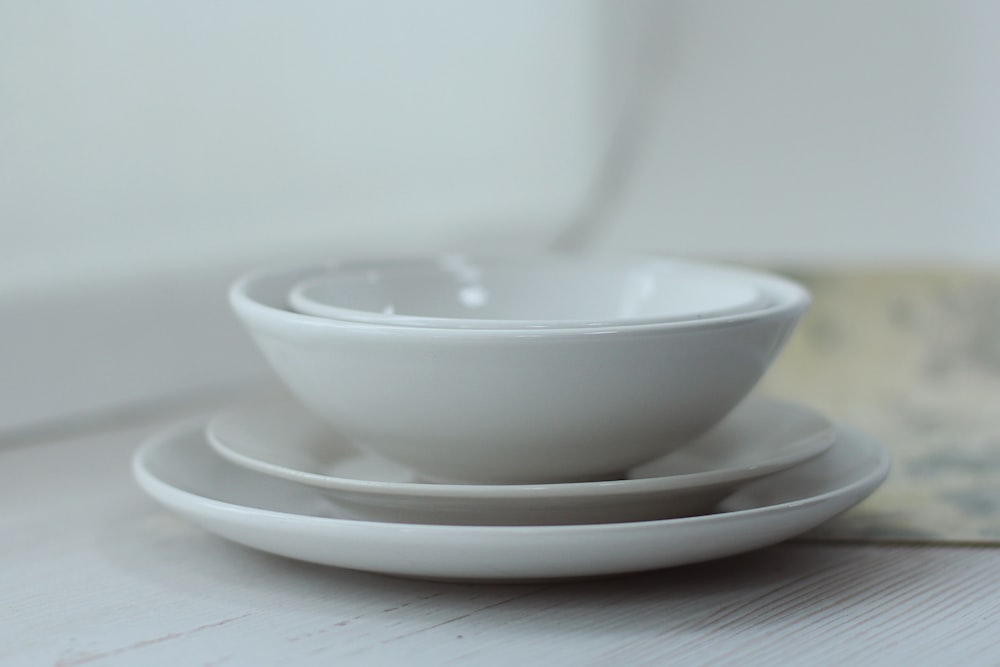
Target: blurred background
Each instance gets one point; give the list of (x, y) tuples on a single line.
[(150, 151)]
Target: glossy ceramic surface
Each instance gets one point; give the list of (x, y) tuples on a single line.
[(516, 406), (470, 292), (180, 470), (759, 438)]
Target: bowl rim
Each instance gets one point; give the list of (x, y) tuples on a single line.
[(303, 299), (786, 297)]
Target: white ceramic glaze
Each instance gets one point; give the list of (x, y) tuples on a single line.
[(522, 292), (516, 406), (178, 469), (759, 438)]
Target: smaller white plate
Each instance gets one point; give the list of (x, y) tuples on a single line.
[(179, 470), (760, 437)]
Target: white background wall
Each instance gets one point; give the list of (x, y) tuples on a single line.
[(139, 134), (171, 133), (149, 150), (854, 130)]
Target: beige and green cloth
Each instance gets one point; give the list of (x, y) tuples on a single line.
[(912, 357)]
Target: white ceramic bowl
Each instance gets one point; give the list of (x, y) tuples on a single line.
[(517, 405), (499, 293)]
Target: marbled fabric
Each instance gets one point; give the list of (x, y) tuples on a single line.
[(913, 358)]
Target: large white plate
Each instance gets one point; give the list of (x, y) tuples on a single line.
[(180, 470), (760, 437)]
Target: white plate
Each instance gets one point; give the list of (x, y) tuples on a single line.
[(181, 471), (761, 437)]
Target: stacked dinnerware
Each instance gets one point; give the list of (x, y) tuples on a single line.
[(514, 418)]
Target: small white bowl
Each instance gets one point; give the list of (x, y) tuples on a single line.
[(500, 293), (517, 405)]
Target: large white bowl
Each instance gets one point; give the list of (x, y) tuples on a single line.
[(517, 405), (458, 291)]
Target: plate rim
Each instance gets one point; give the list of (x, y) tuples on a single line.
[(811, 446), (149, 481), (505, 554)]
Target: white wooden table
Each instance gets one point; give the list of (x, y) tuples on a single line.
[(94, 573)]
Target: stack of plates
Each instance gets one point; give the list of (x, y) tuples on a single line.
[(273, 477)]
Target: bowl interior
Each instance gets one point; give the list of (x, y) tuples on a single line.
[(464, 292)]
